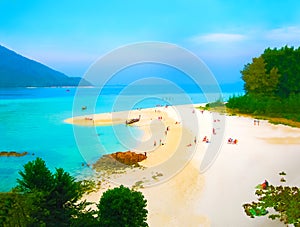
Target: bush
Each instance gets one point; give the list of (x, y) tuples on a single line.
[(284, 200)]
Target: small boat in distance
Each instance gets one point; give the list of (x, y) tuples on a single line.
[(131, 121)]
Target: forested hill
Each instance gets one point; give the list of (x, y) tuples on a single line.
[(18, 71)]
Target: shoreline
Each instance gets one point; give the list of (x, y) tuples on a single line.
[(172, 163), (190, 198)]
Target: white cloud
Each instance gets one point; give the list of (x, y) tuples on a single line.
[(218, 38), (285, 34)]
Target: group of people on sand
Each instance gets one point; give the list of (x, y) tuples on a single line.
[(160, 143), (232, 141), (256, 122), (205, 139)]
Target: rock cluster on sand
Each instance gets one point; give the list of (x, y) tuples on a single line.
[(128, 157), (12, 154), (118, 160)]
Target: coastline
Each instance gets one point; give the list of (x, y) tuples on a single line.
[(189, 198), (173, 163)]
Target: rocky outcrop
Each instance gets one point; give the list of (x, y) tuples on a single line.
[(118, 161), (12, 154), (128, 157)]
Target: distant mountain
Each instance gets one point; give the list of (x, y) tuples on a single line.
[(18, 71)]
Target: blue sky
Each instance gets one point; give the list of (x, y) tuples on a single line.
[(70, 35)]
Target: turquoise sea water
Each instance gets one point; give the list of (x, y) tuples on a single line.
[(32, 120)]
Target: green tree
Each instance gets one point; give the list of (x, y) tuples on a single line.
[(272, 85), (257, 80), (286, 59), (35, 177), (284, 200), (56, 196), (15, 209), (62, 199), (122, 207)]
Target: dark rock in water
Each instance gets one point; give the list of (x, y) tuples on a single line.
[(12, 154), (119, 160)]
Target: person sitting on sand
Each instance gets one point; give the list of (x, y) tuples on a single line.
[(235, 141), (264, 185), (229, 140)]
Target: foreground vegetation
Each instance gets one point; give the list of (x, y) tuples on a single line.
[(278, 202), (42, 198)]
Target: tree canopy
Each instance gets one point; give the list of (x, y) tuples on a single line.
[(43, 198), (275, 72), (286, 60), (257, 80), (272, 85), (35, 177), (122, 207)]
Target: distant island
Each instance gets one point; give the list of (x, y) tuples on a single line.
[(19, 71)]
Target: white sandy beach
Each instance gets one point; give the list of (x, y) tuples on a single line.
[(213, 197)]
